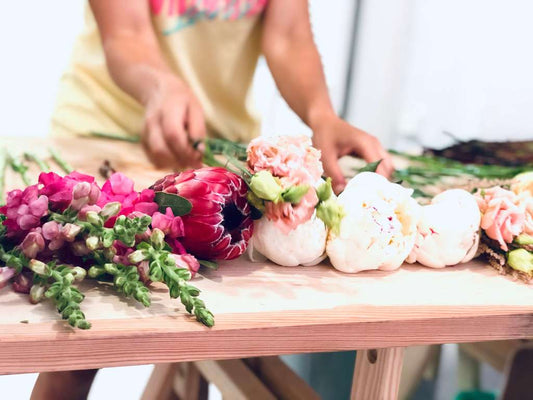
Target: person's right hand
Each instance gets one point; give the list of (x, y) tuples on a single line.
[(173, 122)]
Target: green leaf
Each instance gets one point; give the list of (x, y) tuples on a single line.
[(371, 167), (179, 205), (209, 264)]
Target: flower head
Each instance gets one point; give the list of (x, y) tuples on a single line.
[(502, 218), (119, 188), (32, 244), (219, 224), (24, 210), (170, 225), (75, 190)]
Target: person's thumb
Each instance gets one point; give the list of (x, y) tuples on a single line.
[(333, 170)]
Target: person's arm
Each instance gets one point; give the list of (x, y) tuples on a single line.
[(173, 116), (293, 59)]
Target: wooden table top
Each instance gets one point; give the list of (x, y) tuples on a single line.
[(260, 309)]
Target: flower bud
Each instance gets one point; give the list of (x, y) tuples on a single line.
[(79, 248), (524, 240), (331, 213), (39, 267), (32, 244), (136, 257), (93, 218), (50, 230), (265, 186), (79, 273), (111, 268), (110, 252), (521, 260), (37, 293), (70, 231), (110, 210), (324, 191), (294, 194), (255, 201), (92, 243), (95, 271), (157, 238)]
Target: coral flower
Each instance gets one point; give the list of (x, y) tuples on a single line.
[(219, 224)]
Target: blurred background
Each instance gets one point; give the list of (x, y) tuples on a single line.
[(403, 70)]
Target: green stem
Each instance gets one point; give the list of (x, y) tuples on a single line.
[(20, 168), (115, 136), (62, 163), (43, 165)]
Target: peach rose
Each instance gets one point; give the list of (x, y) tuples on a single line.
[(502, 216)]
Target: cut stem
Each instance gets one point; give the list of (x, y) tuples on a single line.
[(66, 167), (20, 168), (43, 165)]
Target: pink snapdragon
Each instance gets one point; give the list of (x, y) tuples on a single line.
[(502, 217), (120, 188), (75, 190), (33, 243), (170, 225), (24, 210)]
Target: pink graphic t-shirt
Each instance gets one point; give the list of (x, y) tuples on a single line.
[(213, 45)]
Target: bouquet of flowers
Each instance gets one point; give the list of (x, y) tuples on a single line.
[(64, 229)]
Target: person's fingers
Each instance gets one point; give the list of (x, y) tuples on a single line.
[(332, 169), (155, 146), (372, 151), (173, 125), (197, 131)]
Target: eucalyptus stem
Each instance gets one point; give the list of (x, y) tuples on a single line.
[(43, 165), (20, 168), (66, 167)]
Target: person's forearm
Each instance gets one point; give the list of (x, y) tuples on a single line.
[(297, 70), (136, 67)]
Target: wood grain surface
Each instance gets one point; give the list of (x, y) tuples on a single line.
[(260, 309)]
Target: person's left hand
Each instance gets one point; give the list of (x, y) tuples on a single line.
[(336, 138)]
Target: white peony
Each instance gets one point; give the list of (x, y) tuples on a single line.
[(448, 230), (379, 228), (304, 245)]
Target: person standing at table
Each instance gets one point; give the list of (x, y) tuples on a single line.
[(175, 71)]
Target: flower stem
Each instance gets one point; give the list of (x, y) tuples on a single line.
[(115, 136), (19, 168), (66, 167), (43, 165)]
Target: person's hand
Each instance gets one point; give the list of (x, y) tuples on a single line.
[(174, 122), (336, 138)]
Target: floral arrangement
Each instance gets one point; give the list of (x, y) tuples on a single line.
[(66, 228), (268, 199)]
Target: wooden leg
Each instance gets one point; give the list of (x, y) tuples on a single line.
[(377, 374), (282, 381), (234, 379), (176, 381), (161, 383)]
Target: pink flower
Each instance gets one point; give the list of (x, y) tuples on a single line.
[(120, 188), (58, 234), (170, 225), (6, 273), (32, 244), (289, 157), (24, 210), (502, 218), (60, 190), (187, 261), (288, 216)]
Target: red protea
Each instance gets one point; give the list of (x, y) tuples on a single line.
[(220, 223)]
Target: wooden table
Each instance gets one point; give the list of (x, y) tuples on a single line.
[(262, 309)]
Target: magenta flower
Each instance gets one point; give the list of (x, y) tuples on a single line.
[(120, 188), (187, 261), (170, 225), (220, 223), (60, 190), (24, 210)]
